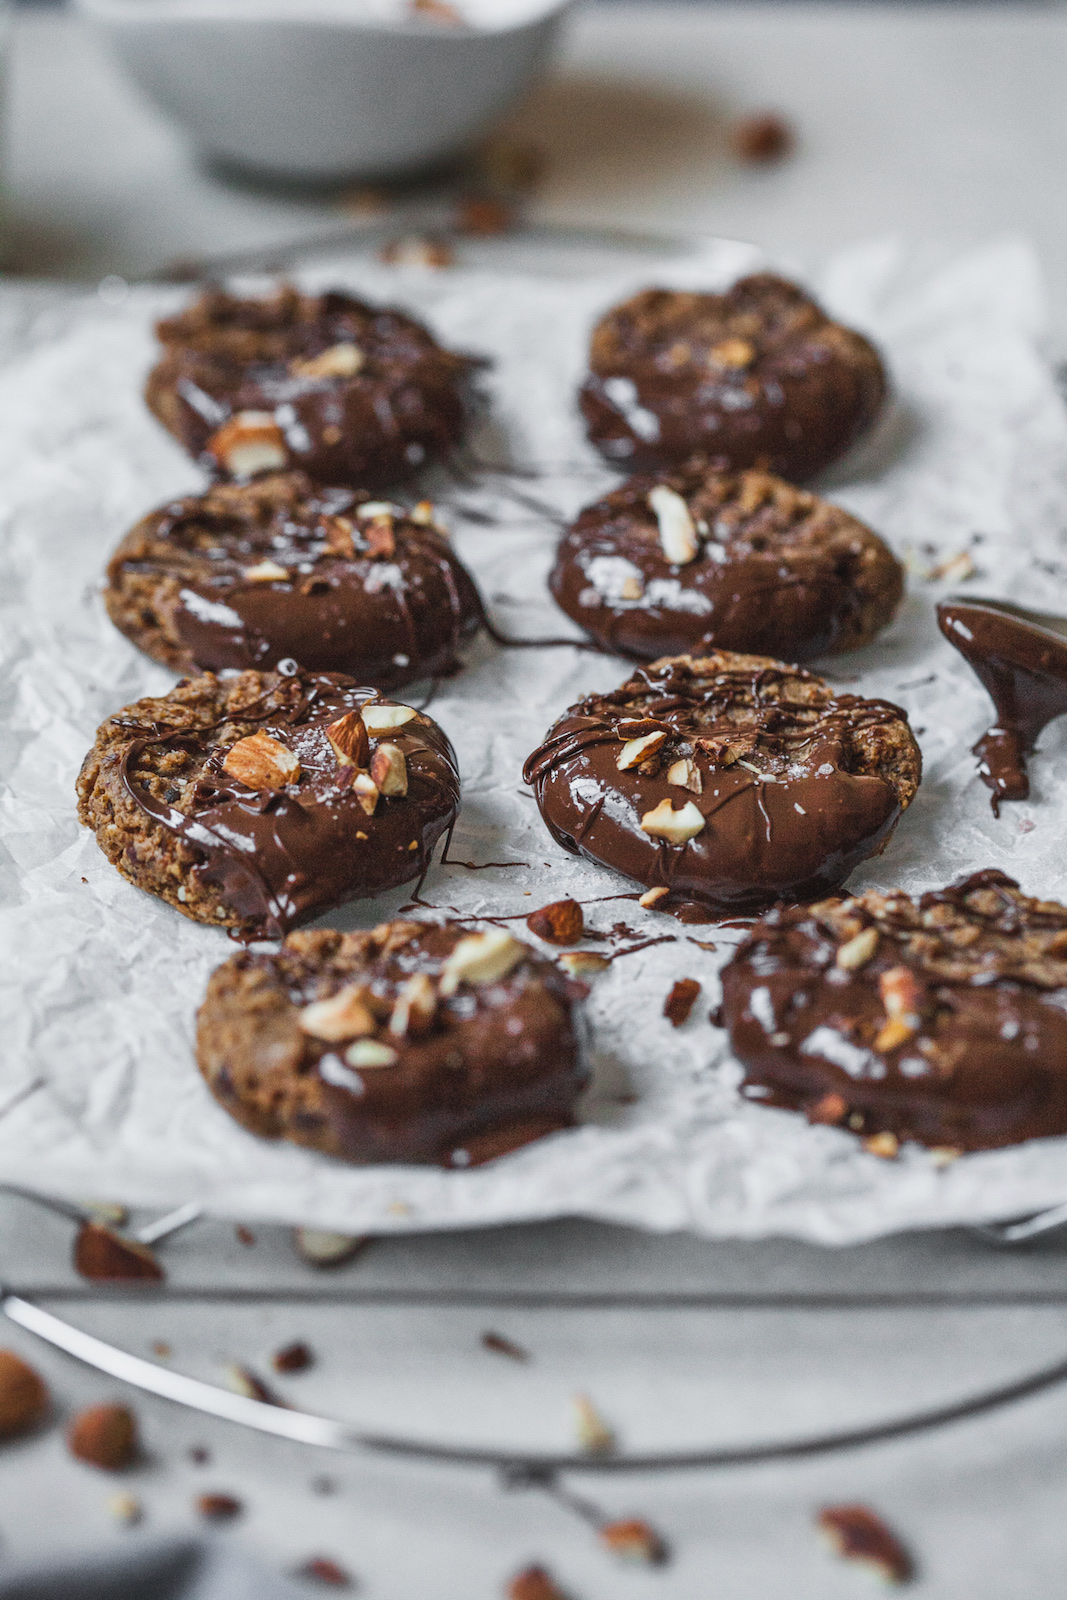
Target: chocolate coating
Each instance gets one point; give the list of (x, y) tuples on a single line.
[(794, 784), (975, 977), (776, 571), (259, 861), (499, 1064), (380, 597), (1020, 657), (756, 377), (369, 428)]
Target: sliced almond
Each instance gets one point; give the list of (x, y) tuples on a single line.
[(652, 897), (415, 1006), (389, 769), (367, 1053), (677, 534), (685, 774), (339, 361), (262, 762), (366, 791), (383, 719), (481, 958), (732, 353), (348, 740), (677, 827), (856, 952), (345, 1015), (265, 572), (583, 963), (250, 442), (634, 751)]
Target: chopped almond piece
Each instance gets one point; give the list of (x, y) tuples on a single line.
[(320, 1248), (886, 1145), (685, 774), (423, 514), (339, 361), (250, 442), (893, 1034), (366, 792), (632, 1540), (677, 532), (856, 952), (265, 572), (389, 769), (481, 958), (856, 1534), (262, 762), (583, 963), (652, 897), (348, 740), (676, 827), (829, 1108), (634, 751), (415, 1006), (679, 1003), (339, 533), (732, 353), (594, 1435), (560, 922), (383, 719), (345, 1015), (367, 1053), (380, 538), (104, 1256)]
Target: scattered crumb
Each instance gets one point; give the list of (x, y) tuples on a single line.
[(594, 1435), (320, 1569), (292, 1358), (245, 1236), (125, 1508), (504, 1347), (764, 137), (218, 1507), (162, 1349), (199, 1455), (856, 1534), (484, 217), (633, 1540), (534, 1583), (243, 1381)]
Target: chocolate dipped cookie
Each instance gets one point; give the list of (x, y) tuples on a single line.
[(696, 560), (257, 801), (757, 377), (415, 1042), (731, 780), (247, 575), (941, 1020), (348, 392)]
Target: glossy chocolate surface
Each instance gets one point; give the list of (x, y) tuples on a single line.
[(975, 976), (756, 377), (275, 857), (498, 1065), (1020, 657), (375, 427), (796, 784), (250, 575), (776, 571)]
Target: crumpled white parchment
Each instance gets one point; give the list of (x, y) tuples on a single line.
[(99, 1093)]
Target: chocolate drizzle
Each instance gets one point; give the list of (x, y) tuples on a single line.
[(273, 858), (1020, 657), (946, 1023), (796, 785)]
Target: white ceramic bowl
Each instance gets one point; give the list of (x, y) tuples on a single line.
[(329, 89)]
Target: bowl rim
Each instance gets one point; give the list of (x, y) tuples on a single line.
[(154, 13)]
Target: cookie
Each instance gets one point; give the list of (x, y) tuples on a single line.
[(699, 560), (757, 377), (732, 780), (941, 1020), (254, 802), (247, 575), (350, 393), (415, 1042)]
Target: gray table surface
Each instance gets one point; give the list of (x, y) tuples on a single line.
[(937, 123)]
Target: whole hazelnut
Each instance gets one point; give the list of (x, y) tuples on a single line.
[(104, 1436), (23, 1395)]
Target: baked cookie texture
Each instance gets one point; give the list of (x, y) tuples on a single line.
[(257, 801), (941, 1020), (416, 1042), (247, 575), (695, 559), (732, 780), (350, 393), (757, 377)]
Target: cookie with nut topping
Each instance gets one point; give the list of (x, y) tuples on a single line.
[(247, 575), (941, 1020), (348, 392), (732, 781), (255, 802), (757, 377), (696, 560), (416, 1042)]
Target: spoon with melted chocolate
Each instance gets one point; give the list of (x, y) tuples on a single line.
[(1020, 658)]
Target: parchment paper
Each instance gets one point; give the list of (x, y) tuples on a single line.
[(99, 1093)]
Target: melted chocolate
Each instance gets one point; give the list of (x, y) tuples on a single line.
[(758, 376), (404, 406), (278, 857), (776, 571), (789, 820), (385, 613), (499, 1064), (979, 976), (1020, 657)]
